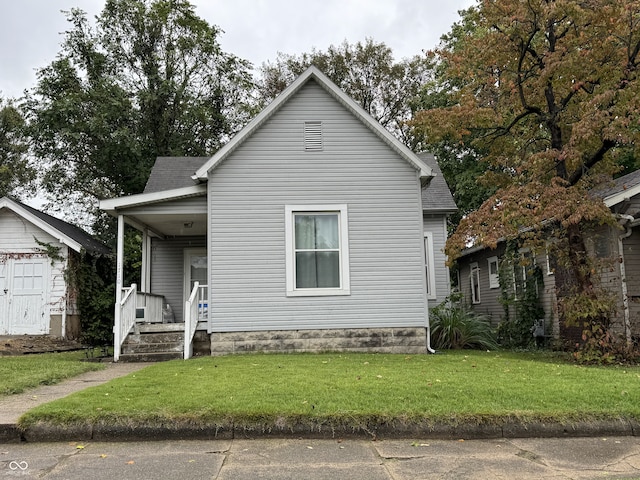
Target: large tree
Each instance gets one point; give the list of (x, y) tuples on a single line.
[(16, 173), (148, 78), (551, 96), (367, 72)]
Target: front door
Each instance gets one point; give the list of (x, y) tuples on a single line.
[(196, 270), (24, 308)]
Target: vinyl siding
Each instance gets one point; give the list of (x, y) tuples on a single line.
[(247, 198), (436, 224), (632, 268), (167, 274), (17, 236), (490, 297)]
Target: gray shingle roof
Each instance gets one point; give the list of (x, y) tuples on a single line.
[(436, 196), (89, 243), (620, 184), (173, 172)]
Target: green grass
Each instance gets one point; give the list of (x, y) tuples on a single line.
[(344, 388), (18, 373)]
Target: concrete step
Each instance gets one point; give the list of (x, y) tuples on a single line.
[(159, 327), (150, 357), (152, 347), (140, 339)]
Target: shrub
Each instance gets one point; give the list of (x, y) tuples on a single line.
[(456, 326)]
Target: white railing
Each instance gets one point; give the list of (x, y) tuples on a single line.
[(152, 305), (126, 319), (195, 309)]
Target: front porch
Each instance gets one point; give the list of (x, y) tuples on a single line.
[(145, 330)]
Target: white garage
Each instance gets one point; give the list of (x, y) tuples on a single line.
[(35, 252)]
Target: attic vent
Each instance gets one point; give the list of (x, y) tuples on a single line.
[(312, 136)]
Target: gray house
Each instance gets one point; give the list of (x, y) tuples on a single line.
[(312, 229), (619, 248), (36, 250)]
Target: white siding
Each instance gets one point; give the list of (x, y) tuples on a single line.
[(167, 274), (436, 224), (247, 198), (17, 237)]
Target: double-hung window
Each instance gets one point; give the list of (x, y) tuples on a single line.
[(474, 277), (317, 256)]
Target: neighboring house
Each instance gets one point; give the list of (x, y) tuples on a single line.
[(36, 250), (478, 267), (306, 232)]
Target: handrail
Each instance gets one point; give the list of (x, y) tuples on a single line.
[(191, 311), (126, 320)]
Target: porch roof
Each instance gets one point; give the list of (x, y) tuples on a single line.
[(176, 212)]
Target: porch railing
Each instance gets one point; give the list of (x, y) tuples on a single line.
[(126, 319), (152, 305), (195, 309)]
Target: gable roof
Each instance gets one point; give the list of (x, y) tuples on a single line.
[(312, 73), (622, 189), (436, 196), (169, 173), (68, 234)]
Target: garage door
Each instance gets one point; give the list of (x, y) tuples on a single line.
[(24, 305)]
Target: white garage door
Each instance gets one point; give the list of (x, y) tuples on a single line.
[(24, 305)]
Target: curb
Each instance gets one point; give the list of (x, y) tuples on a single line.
[(44, 432)]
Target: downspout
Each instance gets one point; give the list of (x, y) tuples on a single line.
[(424, 277), (628, 230)]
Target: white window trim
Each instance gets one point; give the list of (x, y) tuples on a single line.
[(494, 279), (475, 271), (345, 282), (429, 266)]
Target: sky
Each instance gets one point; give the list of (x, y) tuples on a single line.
[(255, 30)]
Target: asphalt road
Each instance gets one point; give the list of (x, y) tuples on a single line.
[(529, 458)]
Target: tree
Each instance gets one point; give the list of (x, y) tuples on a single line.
[(148, 79), (462, 164), (16, 174), (550, 99), (367, 72)]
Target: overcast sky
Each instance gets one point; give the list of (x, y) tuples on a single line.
[(256, 30)]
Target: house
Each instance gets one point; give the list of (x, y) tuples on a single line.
[(478, 268), (36, 251), (306, 232)]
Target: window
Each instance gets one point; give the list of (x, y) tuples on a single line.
[(494, 278), (317, 255), (428, 265), (475, 283)]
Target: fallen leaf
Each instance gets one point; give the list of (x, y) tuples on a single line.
[(103, 456), (79, 447)]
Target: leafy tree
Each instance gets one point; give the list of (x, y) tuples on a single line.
[(462, 163), (16, 174), (550, 99), (367, 72), (149, 79)]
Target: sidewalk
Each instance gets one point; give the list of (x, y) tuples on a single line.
[(13, 406)]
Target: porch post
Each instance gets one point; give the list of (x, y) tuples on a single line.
[(119, 280), (145, 280)]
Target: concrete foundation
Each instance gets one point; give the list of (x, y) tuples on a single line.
[(370, 340)]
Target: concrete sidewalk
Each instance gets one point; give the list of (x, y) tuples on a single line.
[(13, 406), (293, 459)]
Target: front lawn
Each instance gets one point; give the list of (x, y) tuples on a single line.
[(342, 388), (18, 373)]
